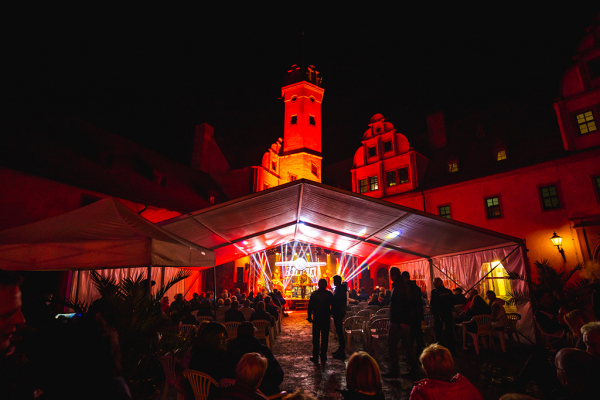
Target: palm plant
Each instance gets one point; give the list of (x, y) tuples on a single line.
[(136, 315)]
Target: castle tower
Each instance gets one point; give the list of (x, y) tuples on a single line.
[(301, 153)]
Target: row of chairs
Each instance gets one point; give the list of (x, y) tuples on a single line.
[(487, 333), (201, 384)]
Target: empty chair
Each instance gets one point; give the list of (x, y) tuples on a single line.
[(353, 327), (261, 326), (355, 310), (511, 329), (504, 322), (374, 308), (366, 314), (168, 364), (427, 326), (383, 311), (231, 329), (483, 331), (200, 383), (188, 329), (378, 330), (204, 318)]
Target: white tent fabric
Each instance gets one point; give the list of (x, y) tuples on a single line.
[(105, 234)]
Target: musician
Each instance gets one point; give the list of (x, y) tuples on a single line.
[(276, 281), (304, 281), (326, 277)]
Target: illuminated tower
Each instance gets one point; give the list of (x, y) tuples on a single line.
[(301, 153)]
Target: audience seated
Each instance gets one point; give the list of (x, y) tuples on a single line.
[(195, 301), (363, 378), (387, 298), (472, 293), (363, 296), (497, 307), (234, 314), (164, 305), (261, 314), (353, 295), (478, 307), (575, 320), (238, 295), (578, 372), (377, 299), (271, 309), (188, 318), (440, 384), (248, 376), (246, 310), (459, 297), (178, 304), (244, 343), (206, 310), (591, 337), (208, 351)]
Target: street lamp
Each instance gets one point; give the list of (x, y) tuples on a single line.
[(557, 241)]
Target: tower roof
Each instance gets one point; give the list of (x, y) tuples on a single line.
[(298, 74)]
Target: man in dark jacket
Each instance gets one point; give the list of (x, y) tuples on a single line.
[(338, 310), (400, 320), (319, 311), (270, 308), (441, 304), (416, 312), (261, 314), (234, 314)]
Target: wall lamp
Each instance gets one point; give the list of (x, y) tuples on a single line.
[(557, 241)]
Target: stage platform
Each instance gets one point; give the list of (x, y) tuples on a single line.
[(297, 304)]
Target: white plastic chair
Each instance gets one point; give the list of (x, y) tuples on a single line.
[(261, 326), (232, 328), (378, 330), (483, 331)]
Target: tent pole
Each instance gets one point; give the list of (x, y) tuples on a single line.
[(524, 250), (430, 272), (77, 286), (215, 282)]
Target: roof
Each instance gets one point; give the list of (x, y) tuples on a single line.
[(331, 218), (105, 234)]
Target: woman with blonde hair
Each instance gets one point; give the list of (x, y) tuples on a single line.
[(440, 384), (363, 378)]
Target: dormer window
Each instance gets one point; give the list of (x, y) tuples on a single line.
[(453, 166), (372, 151), (294, 120), (586, 122), (311, 120), (314, 170), (387, 146), (293, 177), (500, 154), (274, 165)]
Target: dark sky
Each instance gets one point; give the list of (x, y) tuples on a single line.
[(152, 74)]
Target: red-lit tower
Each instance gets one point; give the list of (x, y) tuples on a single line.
[(301, 153)]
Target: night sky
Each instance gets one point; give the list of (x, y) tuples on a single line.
[(152, 74)]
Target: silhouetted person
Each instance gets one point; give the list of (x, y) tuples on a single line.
[(578, 372), (338, 311), (459, 297), (319, 311), (441, 305), (234, 314), (416, 312)]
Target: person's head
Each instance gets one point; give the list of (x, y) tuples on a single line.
[(406, 276), (322, 284), (10, 308), (458, 291), (382, 295), (575, 320), (260, 306), (362, 374), (251, 370), (268, 300), (337, 280), (437, 362), (491, 295), (246, 303), (362, 290), (206, 303), (237, 291), (325, 273), (591, 337), (220, 302), (304, 272), (227, 302), (472, 293), (195, 296), (438, 282), (245, 329), (212, 335), (179, 296), (478, 303), (165, 300), (395, 274), (577, 370), (235, 304)]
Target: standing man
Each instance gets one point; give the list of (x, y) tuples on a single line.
[(416, 315), (338, 310), (442, 301), (319, 310), (400, 325)]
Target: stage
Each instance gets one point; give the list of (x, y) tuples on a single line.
[(297, 304)]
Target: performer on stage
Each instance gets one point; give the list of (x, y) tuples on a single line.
[(319, 310), (326, 277), (276, 281), (304, 281)]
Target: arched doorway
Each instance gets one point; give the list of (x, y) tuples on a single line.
[(383, 277)]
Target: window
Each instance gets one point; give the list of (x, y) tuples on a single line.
[(314, 170), (363, 186), (501, 155), (497, 280), (312, 99), (311, 120), (403, 175), (293, 177), (372, 151), (391, 178), (492, 205), (586, 122), (444, 211), (373, 183), (294, 98), (274, 165), (387, 146), (294, 119), (549, 196), (453, 166)]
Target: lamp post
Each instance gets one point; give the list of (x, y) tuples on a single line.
[(557, 241)]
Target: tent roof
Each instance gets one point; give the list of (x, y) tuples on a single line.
[(330, 218), (105, 234)]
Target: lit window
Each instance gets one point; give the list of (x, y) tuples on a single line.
[(372, 151), (492, 205), (311, 120), (497, 280), (391, 178), (373, 183), (586, 122), (387, 146), (452, 166), (294, 98), (314, 170), (274, 165), (293, 177), (444, 211), (403, 175), (294, 119), (501, 155), (312, 99), (549, 197), (363, 185)]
